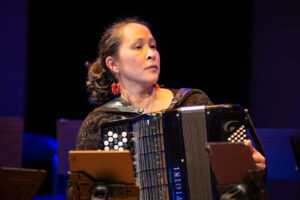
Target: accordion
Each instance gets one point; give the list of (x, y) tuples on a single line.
[(168, 147)]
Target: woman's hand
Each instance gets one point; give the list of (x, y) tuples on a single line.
[(259, 159)]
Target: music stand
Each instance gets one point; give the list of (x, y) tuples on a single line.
[(235, 172), (96, 169), (20, 183)]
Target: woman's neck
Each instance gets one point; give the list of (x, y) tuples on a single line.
[(142, 97)]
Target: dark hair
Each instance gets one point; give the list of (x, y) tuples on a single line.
[(100, 77)]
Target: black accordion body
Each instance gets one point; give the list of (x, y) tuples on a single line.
[(168, 147)]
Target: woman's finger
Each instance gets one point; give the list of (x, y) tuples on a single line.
[(258, 158)]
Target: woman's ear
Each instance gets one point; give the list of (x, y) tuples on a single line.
[(112, 64)]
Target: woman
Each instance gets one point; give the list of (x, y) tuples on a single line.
[(126, 73), (123, 81)]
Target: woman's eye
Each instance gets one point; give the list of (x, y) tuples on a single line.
[(138, 47), (153, 46)]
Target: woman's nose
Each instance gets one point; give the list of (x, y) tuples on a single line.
[(151, 54)]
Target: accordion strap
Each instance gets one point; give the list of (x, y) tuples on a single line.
[(182, 95), (178, 96), (120, 105)]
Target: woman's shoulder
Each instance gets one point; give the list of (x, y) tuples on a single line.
[(102, 114), (89, 135), (184, 91), (98, 116), (197, 98), (190, 97)]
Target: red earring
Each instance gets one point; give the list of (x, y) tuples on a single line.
[(115, 88), (156, 85)]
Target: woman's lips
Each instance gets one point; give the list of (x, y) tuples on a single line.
[(152, 67)]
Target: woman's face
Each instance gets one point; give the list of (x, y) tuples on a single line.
[(138, 59)]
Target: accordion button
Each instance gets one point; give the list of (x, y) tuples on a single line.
[(106, 143), (124, 140), (109, 133), (110, 139), (106, 148), (124, 134), (115, 135), (120, 143)]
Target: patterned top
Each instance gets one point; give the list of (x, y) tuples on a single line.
[(89, 136)]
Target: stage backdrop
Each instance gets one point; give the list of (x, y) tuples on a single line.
[(237, 52), (275, 64), (13, 57)]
